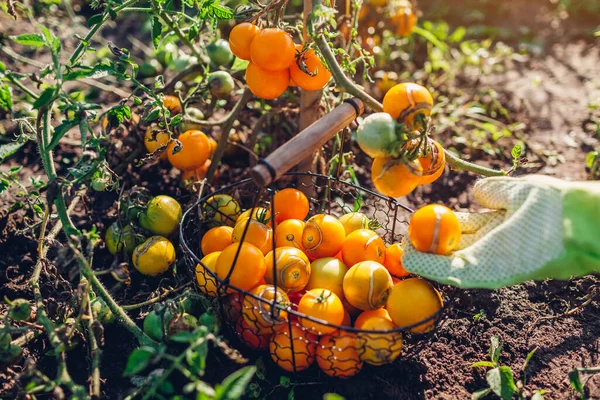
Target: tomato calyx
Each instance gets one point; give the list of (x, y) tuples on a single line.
[(301, 59)]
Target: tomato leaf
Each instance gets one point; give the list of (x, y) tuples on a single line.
[(45, 98), (156, 31), (575, 380), (234, 386), (8, 149), (5, 98), (501, 382), (60, 131), (95, 19), (29, 39), (117, 115), (495, 349), (98, 71), (480, 394), (483, 364), (138, 360)]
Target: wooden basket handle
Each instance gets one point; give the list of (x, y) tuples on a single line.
[(306, 142)]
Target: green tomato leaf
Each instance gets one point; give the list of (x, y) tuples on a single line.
[(98, 71), (45, 98), (516, 151), (60, 131), (29, 39), (501, 382), (234, 386), (495, 349), (193, 32), (488, 364), (117, 115), (575, 380), (239, 64), (95, 19), (156, 31), (153, 115), (8, 149), (138, 360), (480, 394), (5, 98), (528, 358), (590, 158)]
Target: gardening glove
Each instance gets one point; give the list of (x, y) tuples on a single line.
[(540, 227)]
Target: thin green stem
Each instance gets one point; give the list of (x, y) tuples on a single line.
[(23, 88), (225, 128), (458, 164), (166, 18), (95, 352)]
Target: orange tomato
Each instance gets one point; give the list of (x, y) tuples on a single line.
[(156, 138), (265, 84), (293, 349), (213, 146), (318, 75), (273, 50), (261, 214), (404, 20), (363, 245), (257, 233), (394, 177), (405, 101), (249, 268), (261, 315), (347, 321), (324, 305), (393, 260), (207, 282), (289, 234), (216, 239), (377, 348), (172, 104), (353, 311), (194, 151), (323, 236), (292, 268), (337, 355), (232, 306), (434, 229), (327, 273), (433, 162), (414, 300), (290, 204), (250, 337), (240, 39), (367, 285)]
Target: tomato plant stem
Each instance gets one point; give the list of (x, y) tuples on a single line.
[(225, 128), (166, 18), (93, 346), (458, 164), (157, 298)]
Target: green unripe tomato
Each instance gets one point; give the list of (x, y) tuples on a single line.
[(221, 209), (153, 326), (162, 215), (118, 239), (99, 184), (219, 52), (166, 53), (210, 320), (376, 136), (20, 310), (220, 84), (101, 311), (195, 113), (182, 323)]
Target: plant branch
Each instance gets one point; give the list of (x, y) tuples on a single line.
[(95, 352), (157, 298), (225, 128), (459, 164), (175, 28)]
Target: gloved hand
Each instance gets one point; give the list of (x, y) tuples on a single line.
[(540, 227)]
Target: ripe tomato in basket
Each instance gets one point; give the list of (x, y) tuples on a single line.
[(337, 355), (250, 337), (323, 236), (290, 204), (304, 348), (261, 315), (403, 298), (377, 348), (324, 305)]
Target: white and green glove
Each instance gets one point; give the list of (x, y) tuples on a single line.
[(540, 227)]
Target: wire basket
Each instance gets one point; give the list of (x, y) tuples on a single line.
[(262, 320)]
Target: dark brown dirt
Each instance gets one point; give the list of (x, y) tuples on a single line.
[(550, 94)]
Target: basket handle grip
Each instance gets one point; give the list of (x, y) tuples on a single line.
[(304, 143)]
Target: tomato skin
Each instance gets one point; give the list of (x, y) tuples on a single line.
[(207, 283), (371, 275), (155, 138), (393, 261), (435, 229), (257, 233), (154, 256), (328, 273), (118, 239), (195, 176), (363, 245), (194, 152), (221, 209), (219, 52), (289, 233), (248, 270), (304, 348), (354, 221), (273, 49), (322, 236), (162, 215), (172, 104), (241, 38), (337, 355), (394, 177), (216, 239), (265, 84), (290, 203), (322, 304), (405, 100), (250, 337), (232, 306), (314, 66), (292, 268), (377, 348), (404, 297), (405, 21), (259, 315), (433, 162)]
